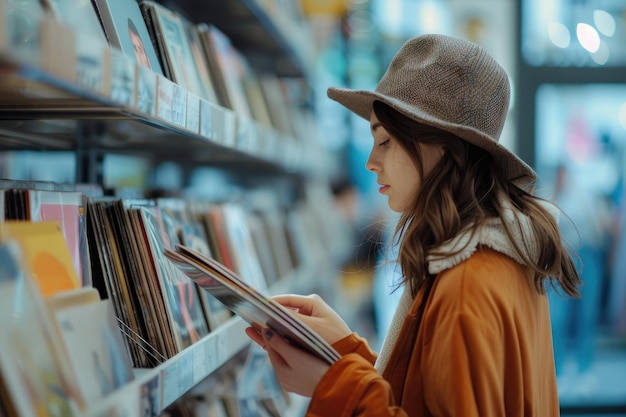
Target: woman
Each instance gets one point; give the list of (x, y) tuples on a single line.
[(471, 334)]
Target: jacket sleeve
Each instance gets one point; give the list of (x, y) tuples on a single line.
[(353, 387), (353, 343)]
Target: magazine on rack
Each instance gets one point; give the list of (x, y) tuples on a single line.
[(252, 306)]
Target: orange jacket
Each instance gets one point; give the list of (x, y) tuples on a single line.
[(484, 349)]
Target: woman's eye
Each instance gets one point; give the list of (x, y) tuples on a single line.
[(385, 142)]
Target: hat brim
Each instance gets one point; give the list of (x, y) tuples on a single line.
[(360, 102)]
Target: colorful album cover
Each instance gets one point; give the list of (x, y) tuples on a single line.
[(45, 253), (31, 369), (182, 299), (67, 208)]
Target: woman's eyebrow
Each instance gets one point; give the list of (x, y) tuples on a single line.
[(375, 126)]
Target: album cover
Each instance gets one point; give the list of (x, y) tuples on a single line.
[(161, 336), (191, 233), (80, 15), (193, 236), (131, 292), (169, 34), (125, 28), (45, 252), (245, 257), (108, 275), (249, 304), (95, 347), (227, 66), (33, 379), (261, 239), (68, 208), (182, 300), (257, 381), (82, 18), (201, 60)]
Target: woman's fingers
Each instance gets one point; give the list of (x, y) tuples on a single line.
[(276, 349), (300, 303), (256, 336), (296, 370)]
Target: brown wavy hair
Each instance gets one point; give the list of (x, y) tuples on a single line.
[(463, 191)]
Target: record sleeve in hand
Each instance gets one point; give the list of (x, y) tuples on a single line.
[(252, 306)]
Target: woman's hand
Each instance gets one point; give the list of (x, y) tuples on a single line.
[(318, 315), (296, 370)]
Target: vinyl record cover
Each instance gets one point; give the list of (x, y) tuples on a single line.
[(169, 34), (108, 272), (46, 254), (96, 348), (80, 15), (227, 66), (31, 370), (246, 259), (130, 238), (192, 235), (181, 296), (68, 208), (255, 308), (201, 60), (121, 255), (161, 335), (125, 28)]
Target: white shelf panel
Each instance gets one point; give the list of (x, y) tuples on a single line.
[(160, 386)]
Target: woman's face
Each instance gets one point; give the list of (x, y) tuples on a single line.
[(398, 175)]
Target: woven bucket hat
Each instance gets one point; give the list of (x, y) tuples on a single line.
[(451, 84)]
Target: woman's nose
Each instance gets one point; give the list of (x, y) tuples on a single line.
[(372, 163)]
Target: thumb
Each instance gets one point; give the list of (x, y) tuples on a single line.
[(276, 347), (278, 343)]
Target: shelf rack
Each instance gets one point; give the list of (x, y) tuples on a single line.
[(272, 39), (44, 109)]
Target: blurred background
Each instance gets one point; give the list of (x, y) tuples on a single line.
[(567, 63)]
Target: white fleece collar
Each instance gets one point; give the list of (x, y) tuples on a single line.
[(492, 235)]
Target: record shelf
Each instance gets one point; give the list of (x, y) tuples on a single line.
[(44, 107), (39, 111)]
